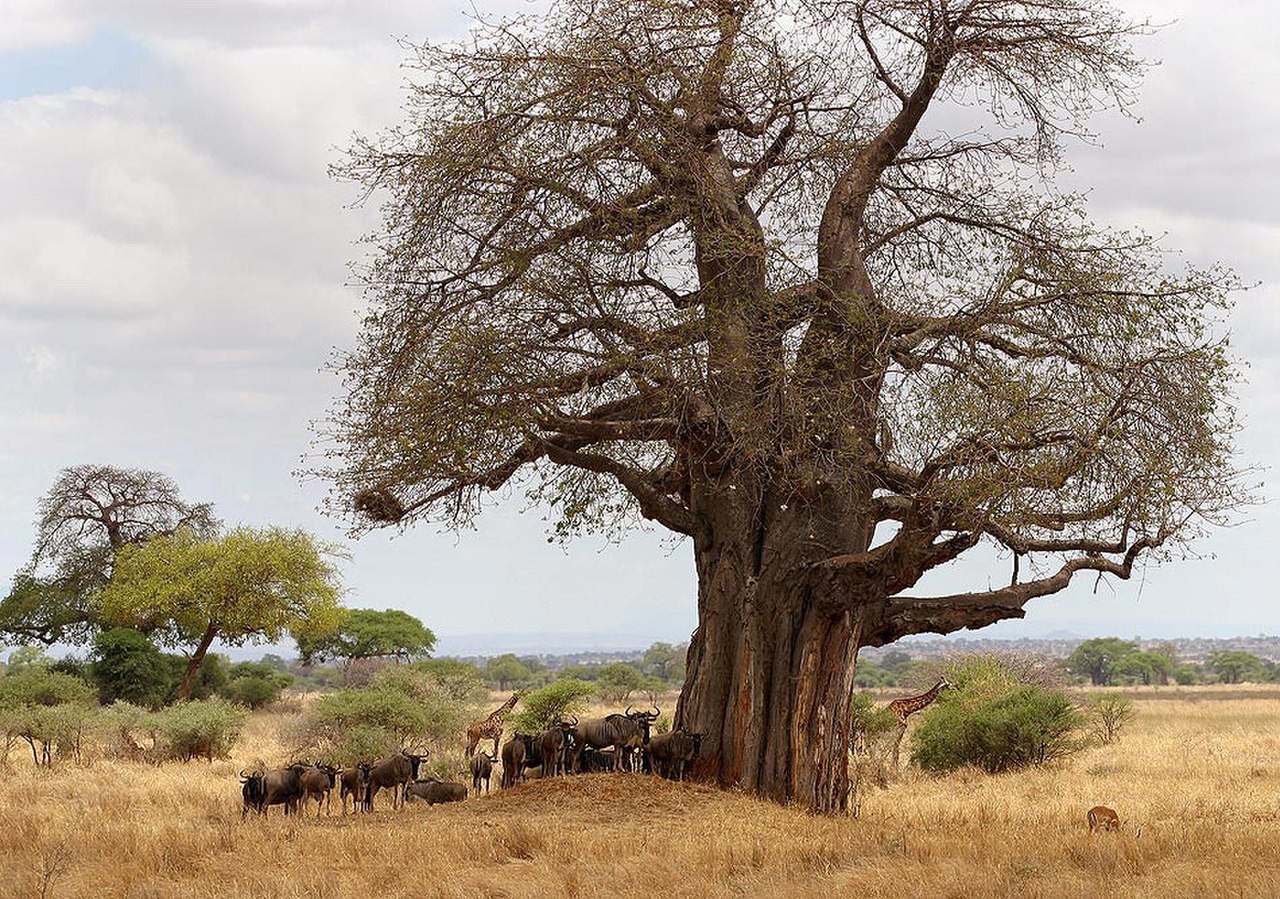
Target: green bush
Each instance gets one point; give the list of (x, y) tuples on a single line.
[(617, 681), (458, 680), (545, 706), (870, 723), (205, 728), (254, 684), (127, 666), (403, 707), (47, 709), (125, 724), (1029, 725)]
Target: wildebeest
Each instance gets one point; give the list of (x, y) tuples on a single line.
[(671, 753), (392, 774), (434, 791), (253, 791), (591, 760), (551, 744), (481, 770), (624, 731), (282, 786), (318, 782), (512, 760), (355, 782)]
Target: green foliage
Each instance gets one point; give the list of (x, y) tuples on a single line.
[(245, 586), (209, 678), (1003, 712), (869, 721), (1028, 726), (869, 674), (24, 657), (47, 709), (617, 681), (578, 672), (460, 681), (200, 728), (1108, 714), (254, 684), (506, 670), (403, 707), (369, 634), (125, 723), (665, 661), (1096, 659), (74, 665), (544, 707), (1142, 668), (47, 609), (126, 665), (1235, 666), (1188, 673)]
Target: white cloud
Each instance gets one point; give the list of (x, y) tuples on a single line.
[(55, 267)]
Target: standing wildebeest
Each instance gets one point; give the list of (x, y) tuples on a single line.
[(392, 774), (555, 746), (253, 791), (283, 786), (513, 760), (481, 770), (318, 782), (435, 791), (355, 782), (671, 752), (627, 731)]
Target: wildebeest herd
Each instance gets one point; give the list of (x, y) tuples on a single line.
[(617, 742)]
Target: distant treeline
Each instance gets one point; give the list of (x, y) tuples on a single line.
[(1101, 661)]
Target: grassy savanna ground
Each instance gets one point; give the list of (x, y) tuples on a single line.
[(1199, 769)]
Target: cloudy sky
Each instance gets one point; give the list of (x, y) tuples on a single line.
[(173, 277)]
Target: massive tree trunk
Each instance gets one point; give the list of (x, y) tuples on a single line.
[(770, 667)]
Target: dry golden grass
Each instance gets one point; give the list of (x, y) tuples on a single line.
[(1200, 774)]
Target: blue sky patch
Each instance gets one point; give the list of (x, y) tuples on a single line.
[(108, 59)]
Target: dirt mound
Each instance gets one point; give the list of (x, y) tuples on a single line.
[(608, 797)]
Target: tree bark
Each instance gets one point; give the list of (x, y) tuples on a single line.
[(770, 667), (197, 657)]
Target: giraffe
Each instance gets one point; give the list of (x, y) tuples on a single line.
[(908, 706), (490, 726)]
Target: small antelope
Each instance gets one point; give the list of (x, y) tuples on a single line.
[(1103, 818)]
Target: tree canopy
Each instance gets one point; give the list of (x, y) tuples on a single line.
[(783, 276), (88, 515), (1097, 658), (245, 586), (370, 634)]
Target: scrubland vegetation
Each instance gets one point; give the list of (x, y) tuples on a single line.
[(1198, 769)]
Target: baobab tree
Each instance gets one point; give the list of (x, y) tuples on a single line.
[(790, 278)]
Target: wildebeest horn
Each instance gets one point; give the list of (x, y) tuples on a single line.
[(243, 776), (656, 711), (628, 711)]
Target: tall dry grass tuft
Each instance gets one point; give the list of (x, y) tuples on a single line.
[(1200, 775)]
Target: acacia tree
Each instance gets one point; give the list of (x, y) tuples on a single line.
[(245, 586), (88, 515), (370, 634), (790, 278)]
